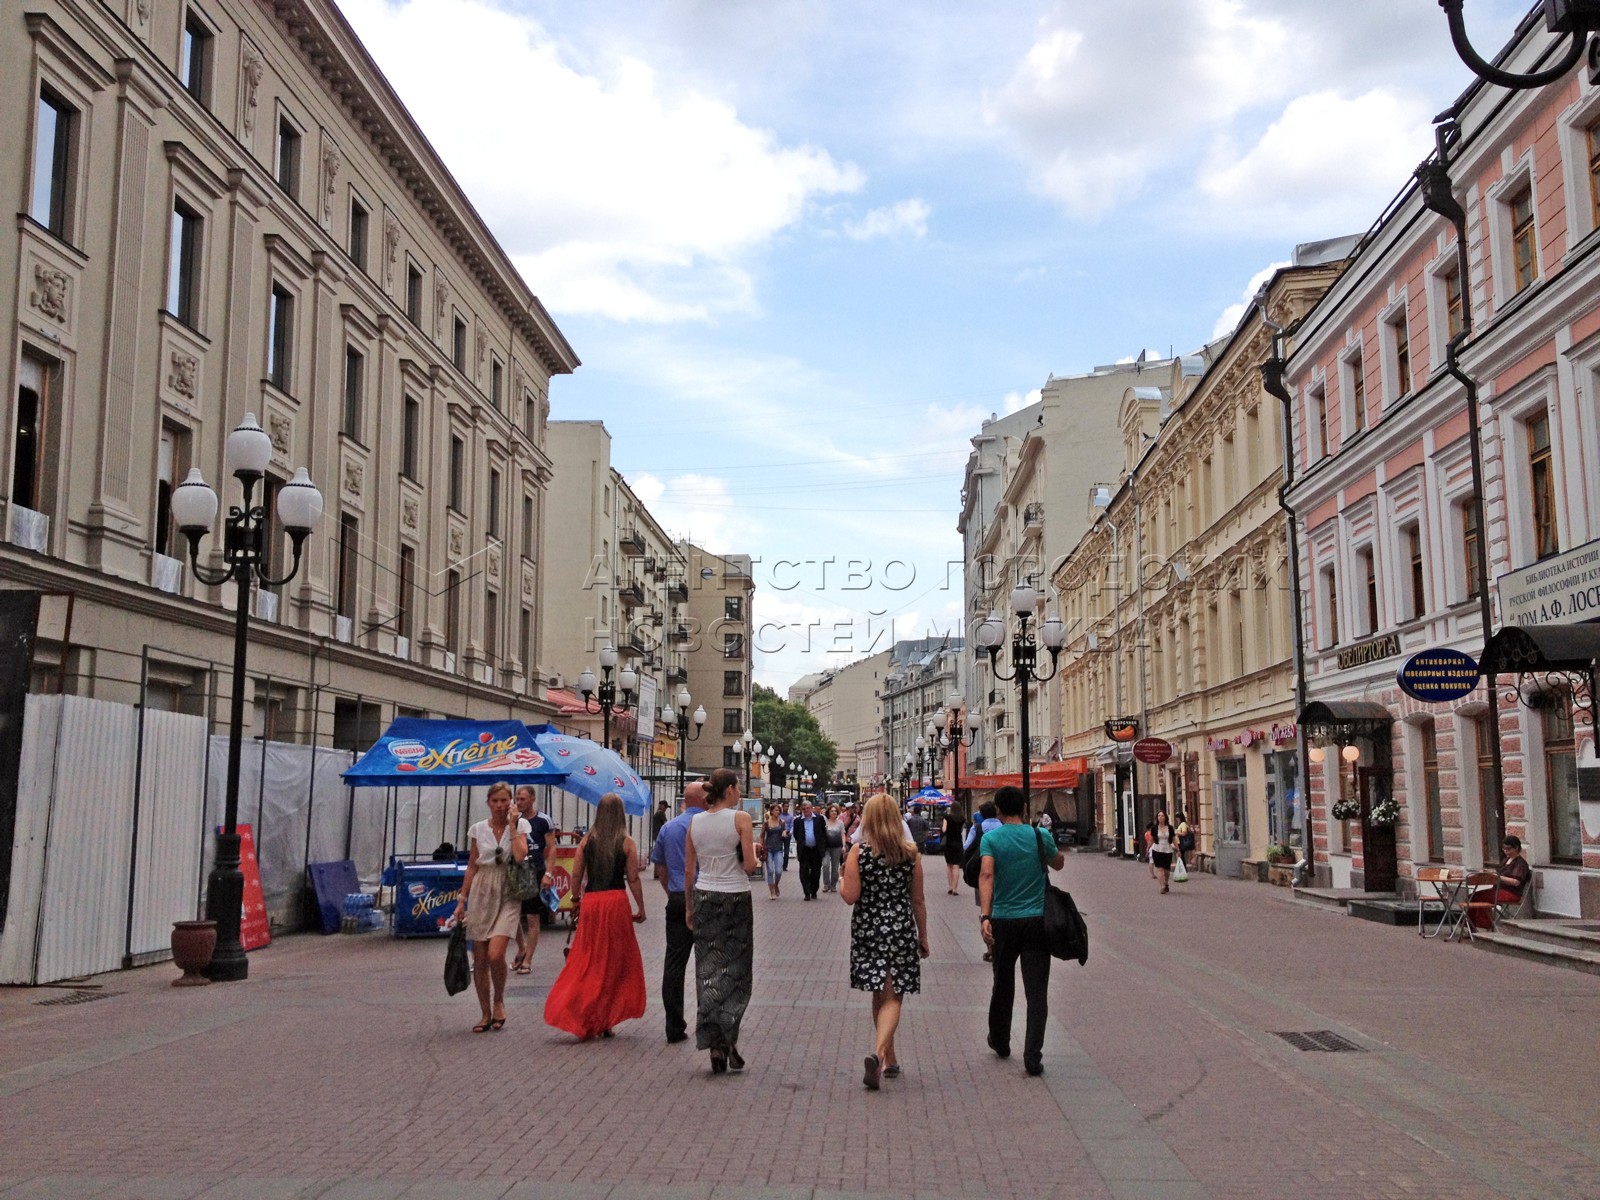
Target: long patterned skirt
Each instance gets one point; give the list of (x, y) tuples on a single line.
[(724, 949)]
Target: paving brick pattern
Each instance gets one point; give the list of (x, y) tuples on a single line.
[(341, 1070)]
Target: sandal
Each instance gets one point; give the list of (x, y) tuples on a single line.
[(482, 1026), (523, 967), (719, 1062), (870, 1074)]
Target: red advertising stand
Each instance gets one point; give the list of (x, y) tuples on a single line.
[(254, 931)]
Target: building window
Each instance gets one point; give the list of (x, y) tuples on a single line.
[(452, 610), (1413, 543), (1356, 381), (1488, 820), (497, 382), (1542, 483), (355, 371), (1330, 606), (491, 626), (413, 292), (1561, 779), (1236, 632), (458, 473), (183, 265), (172, 466), (288, 164), (355, 725), (54, 127), (1455, 318), (1229, 798), (458, 343), (1319, 422), (1524, 250), (1369, 571), (280, 320), (1400, 348), (530, 415), (1471, 531), (358, 233), (732, 722), (527, 527), (405, 594), (731, 757), (733, 608), (349, 532), (733, 683), (410, 436), (525, 639), (1203, 500), (1430, 792), (194, 58), (1592, 135), (733, 645), (494, 503)]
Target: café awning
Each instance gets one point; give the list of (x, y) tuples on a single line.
[(1341, 720)]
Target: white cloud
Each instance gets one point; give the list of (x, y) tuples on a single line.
[(1228, 319), (1364, 147), (699, 507), (909, 217), (1016, 401), (615, 193)]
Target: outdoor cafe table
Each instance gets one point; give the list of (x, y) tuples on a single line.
[(1449, 889)]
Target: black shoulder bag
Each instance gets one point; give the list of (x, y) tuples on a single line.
[(1064, 931)]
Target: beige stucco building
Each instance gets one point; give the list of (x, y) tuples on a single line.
[(1177, 601), (721, 591), (848, 706), (225, 209)]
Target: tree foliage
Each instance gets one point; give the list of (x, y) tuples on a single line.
[(786, 728)]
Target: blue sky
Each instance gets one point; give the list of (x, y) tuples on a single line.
[(805, 248)]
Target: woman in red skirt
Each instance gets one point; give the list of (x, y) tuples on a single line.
[(602, 983)]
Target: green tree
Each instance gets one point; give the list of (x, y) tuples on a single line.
[(788, 729)]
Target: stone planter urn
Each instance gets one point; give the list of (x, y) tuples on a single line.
[(193, 943)]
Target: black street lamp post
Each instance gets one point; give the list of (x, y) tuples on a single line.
[(1024, 657), (678, 721), (952, 736), (602, 698), (1577, 19), (747, 748), (905, 779), (245, 549)]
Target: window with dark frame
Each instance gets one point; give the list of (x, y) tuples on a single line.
[(280, 342), (1471, 531), (1524, 247), (358, 233), (733, 608), (405, 593), (1236, 631), (491, 627), (355, 369), (1330, 600), (194, 58), (452, 610), (1542, 484), (1413, 536), (172, 466), (1401, 340), (458, 343), (1369, 570), (1484, 734), (1358, 393), (1430, 791), (1319, 421), (525, 639), (183, 265), (410, 436), (29, 469), (1455, 319), (530, 415), (1561, 778), (1592, 137), (731, 757), (494, 503), (458, 473), (55, 127), (527, 527), (733, 645), (288, 159), (349, 546), (733, 683), (413, 293), (497, 381), (732, 721)]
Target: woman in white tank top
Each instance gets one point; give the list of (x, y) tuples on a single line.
[(719, 855)]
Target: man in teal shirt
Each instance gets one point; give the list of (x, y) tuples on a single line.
[(1011, 901)]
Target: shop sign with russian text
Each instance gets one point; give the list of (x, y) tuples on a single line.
[(1438, 676), (1562, 590), (1370, 651)]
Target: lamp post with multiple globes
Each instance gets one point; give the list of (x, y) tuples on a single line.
[(678, 721), (245, 550), (952, 736), (990, 632), (602, 698)]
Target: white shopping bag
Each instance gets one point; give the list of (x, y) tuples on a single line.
[(1180, 873)]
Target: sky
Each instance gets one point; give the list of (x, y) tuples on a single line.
[(804, 249)]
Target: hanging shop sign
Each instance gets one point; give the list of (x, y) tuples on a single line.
[(1152, 750), (1370, 651), (1439, 675), (1282, 735), (1122, 729), (1561, 590)]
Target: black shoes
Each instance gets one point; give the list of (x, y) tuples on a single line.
[(1000, 1051), (1033, 1066), (719, 1062), (674, 1038), (735, 1060), (871, 1073)]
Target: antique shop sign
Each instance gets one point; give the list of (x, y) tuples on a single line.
[(1438, 676), (1562, 590)]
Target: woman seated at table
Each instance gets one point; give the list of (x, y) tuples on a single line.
[(1514, 873)]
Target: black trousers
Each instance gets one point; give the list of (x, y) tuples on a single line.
[(810, 869), (679, 942), (1013, 940)]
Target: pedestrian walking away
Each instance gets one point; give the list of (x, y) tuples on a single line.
[(950, 847), (833, 856), (1163, 845), (602, 983), (1186, 839), (787, 818), (882, 880), (1011, 900), (490, 911), (720, 855), (534, 908), (772, 839), (667, 856), (810, 832)]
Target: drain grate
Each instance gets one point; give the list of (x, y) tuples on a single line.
[(1319, 1039), (78, 997)]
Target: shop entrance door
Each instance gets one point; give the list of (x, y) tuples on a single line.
[(1379, 861)]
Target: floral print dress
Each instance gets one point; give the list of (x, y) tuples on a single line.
[(883, 929)]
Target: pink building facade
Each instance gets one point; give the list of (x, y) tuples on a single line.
[(1391, 512)]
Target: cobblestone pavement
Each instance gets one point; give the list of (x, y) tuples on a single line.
[(341, 1070)]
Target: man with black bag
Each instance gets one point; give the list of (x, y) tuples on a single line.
[(1011, 899)]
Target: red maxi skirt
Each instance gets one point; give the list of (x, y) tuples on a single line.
[(602, 983)]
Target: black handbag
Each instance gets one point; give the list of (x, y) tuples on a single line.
[(1065, 933), (457, 969), (522, 878), (972, 864)]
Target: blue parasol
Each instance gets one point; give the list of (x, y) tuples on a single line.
[(929, 795), (591, 770)]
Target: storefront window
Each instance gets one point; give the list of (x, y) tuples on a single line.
[(1430, 792), (1284, 823), (1488, 795), (1229, 801), (1561, 780)]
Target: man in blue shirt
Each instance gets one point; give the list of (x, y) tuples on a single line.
[(668, 856)]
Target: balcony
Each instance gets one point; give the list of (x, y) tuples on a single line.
[(634, 645), (680, 634), (632, 543), (678, 674), (631, 596), (678, 589)]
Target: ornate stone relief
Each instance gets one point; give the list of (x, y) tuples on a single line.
[(441, 301), (408, 512), (49, 293), (143, 7), (483, 345), (527, 583), (391, 247), (182, 377), (280, 427), (251, 70), (493, 558), (353, 474), (332, 162), (458, 543)]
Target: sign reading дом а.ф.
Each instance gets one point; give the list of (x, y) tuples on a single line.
[(1562, 590)]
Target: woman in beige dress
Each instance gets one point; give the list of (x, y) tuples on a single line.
[(492, 914)]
